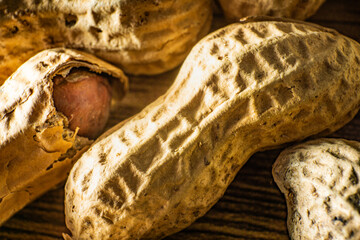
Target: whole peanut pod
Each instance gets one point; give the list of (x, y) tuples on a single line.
[(320, 180), (40, 138), (142, 37), (250, 86), (297, 9)]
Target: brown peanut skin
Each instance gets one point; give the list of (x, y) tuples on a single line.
[(86, 103), (248, 87)]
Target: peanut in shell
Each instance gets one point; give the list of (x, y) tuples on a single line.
[(37, 148), (141, 37), (296, 9), (320, 181), (248, 87)]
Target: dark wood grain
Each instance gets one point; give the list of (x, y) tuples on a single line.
[(252, 207)]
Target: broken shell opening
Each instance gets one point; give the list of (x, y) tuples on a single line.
[(84, 97)]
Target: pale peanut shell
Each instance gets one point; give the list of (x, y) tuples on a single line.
[(141, 37), (320, 181), (297, 9), (244, 88)]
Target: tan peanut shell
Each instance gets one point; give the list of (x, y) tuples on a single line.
[(297, 9), (320, 180), (141, 37), (37, 149), (244, 88)]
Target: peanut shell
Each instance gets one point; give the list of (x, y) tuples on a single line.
[(247, 87), (37, 149), (141, 37), (297, 9), (320, 180)]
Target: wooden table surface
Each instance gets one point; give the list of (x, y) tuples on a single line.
[(252, 207)]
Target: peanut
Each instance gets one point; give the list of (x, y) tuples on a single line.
[(37, 148), (297, 9), (85, 102), (247, 87), (142, 37), (320, 180)]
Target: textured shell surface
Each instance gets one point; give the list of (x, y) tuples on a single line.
[(142, 37), (297, 9), (320, 180), (37, 149), (247, 87)]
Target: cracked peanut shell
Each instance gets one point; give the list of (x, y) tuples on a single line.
[(37, 149)]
